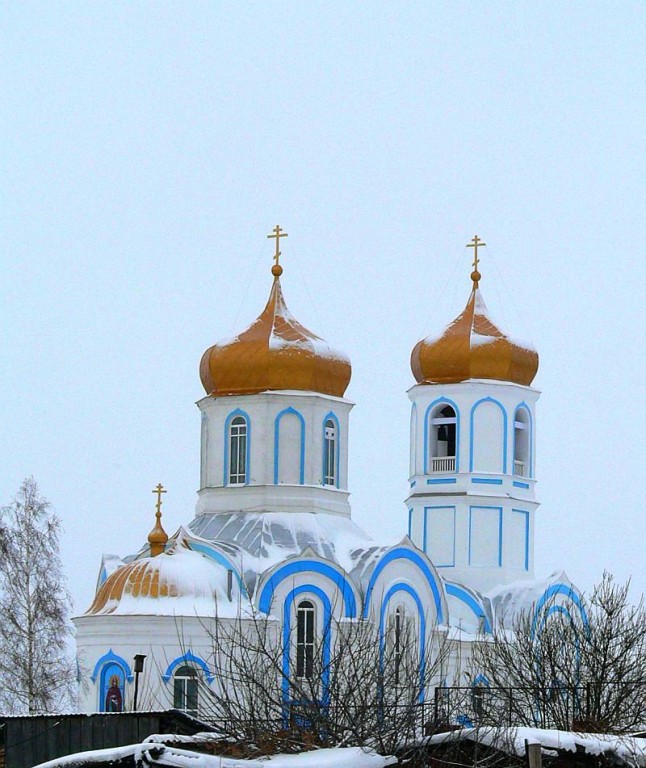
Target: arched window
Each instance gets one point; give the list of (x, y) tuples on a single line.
[(185, 689), (443, 439), (238, 451), (522, 439), (329, 453), (305, 628)]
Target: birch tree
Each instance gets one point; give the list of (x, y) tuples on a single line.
[(35, 663)]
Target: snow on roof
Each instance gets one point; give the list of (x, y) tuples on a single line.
[(272, 537), (157, 754), (509, 600), (626, 749)]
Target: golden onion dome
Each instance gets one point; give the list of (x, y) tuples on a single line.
[(473, 347), (274, 353), (175, 582)]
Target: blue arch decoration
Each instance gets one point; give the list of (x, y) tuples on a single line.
[(188, 658), (227, 424), (107, 658), (313, 566), (524, 407), (287, 612), (405, 554), (427, 416), (461, 594), (504, 431), (219, 558), (337, 453), (481, 680), (402, 587), (279, 416), (550, 593)]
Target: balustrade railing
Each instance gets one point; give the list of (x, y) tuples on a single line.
[(443, 464), (519, 468)]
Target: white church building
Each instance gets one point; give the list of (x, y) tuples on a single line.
[(273, 527)]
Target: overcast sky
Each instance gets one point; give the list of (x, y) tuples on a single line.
[(149, 148)]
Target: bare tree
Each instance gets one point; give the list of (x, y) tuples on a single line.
[(563, 670), (354, 688), (35, 666)]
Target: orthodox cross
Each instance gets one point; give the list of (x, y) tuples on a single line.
[(159, 490), (476, 243), (277, 234)]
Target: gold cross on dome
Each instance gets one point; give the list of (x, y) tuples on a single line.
[(277, 234), (476, 243), (159, 490)]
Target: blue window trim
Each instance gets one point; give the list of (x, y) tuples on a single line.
[(427, 420), (504, 431), (425, 540), (484, 506), (461, 594), (287, 616), (295, 567), (337, 452), (526, 513), (188, 658), (112, 657), (301, 471), (414, 557), (410, 523), (227, 441), (523, 406), (401, 587)]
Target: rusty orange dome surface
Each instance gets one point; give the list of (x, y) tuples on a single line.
[(275, 352), (472, 347)]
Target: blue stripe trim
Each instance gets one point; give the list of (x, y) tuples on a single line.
[(427, 419), (526, 513), (470, 602), (309, 566), (301, 472), (410, 523), (422, 631), (430, 554), (188, 658), (405, 554), (504, 431), (486, 481), (482, 506), (518, 484), (550, 593), (441, 481), (413, 484)]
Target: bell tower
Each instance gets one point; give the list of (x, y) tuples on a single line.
[(472, 449)]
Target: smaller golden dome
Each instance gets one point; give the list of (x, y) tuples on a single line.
[(472, 347), (274, 353), (176, 580)]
